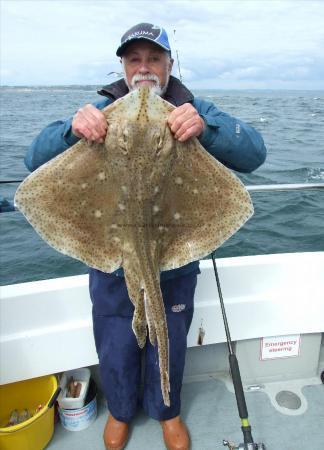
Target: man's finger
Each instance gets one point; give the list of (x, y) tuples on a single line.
[(90, 123), (179, 111), (179, 121), (95, 115), (89, 133), (188, 133), (179, 118), (191, 122), (94, 121)]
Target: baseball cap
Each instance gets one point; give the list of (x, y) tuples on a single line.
[(146, 31)]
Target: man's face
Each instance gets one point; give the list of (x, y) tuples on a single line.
[(146, 64)]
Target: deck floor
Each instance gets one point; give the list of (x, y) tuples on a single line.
[(209, 410)]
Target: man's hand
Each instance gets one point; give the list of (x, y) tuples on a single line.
[(185, 122), (90, 123)]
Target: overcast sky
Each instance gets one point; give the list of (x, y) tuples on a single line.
[(267, 44)]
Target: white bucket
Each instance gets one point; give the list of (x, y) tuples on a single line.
[(80, 375), (79, 419)]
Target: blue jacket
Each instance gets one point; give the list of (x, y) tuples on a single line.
[(232, 142)]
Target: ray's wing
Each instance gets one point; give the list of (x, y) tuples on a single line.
[(72, 202), (75, 200), (204, 205)]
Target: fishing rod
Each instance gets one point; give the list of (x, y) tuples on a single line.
[(249, 443), (177, 55)]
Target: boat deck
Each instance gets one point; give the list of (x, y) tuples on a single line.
[(210, 412)]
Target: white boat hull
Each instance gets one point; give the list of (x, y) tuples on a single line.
[(46, 326)]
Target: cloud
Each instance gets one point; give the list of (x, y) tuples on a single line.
[(220, 43)]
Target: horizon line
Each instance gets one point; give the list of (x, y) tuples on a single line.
[(196, 88)]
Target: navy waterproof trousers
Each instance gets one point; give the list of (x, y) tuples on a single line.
[(120, 358)]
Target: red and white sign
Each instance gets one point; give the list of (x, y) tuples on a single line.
[(280, 347)]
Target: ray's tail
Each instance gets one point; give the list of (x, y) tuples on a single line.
[(149, 312), (156, 313), (136, 295)]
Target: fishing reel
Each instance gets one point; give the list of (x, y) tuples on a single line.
[(250, 446)]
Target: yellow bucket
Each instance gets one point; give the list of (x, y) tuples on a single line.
[(36, 432)]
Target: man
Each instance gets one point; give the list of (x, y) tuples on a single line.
[(145, 55)]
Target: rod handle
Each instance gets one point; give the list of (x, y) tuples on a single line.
[(237, 382)]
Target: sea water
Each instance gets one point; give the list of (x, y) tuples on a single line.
[(291, 123)]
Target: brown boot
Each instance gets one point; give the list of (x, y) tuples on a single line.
[(175, 434), (115, 434)]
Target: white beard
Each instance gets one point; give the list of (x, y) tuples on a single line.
[(156, 88)]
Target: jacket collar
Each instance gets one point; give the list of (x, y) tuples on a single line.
[(176, 93)]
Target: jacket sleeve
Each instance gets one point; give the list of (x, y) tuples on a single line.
[(53, 140), (232, 142)]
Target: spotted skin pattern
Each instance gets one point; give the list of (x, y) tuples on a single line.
[(142, 201)]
